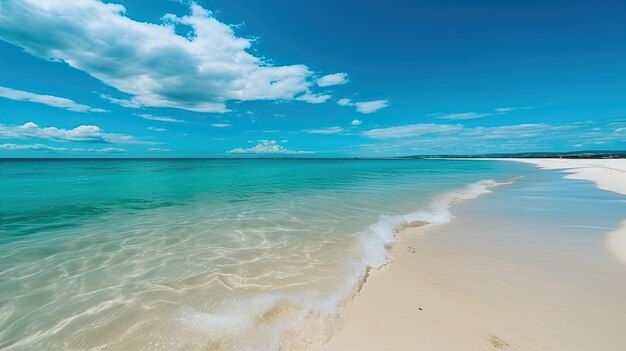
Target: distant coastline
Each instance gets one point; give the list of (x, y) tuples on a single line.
[(571, 154), (595, 154)]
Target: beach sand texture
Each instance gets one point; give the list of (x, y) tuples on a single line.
[(475, 284)]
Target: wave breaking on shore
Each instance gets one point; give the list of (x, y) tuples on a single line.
[(292, 321)]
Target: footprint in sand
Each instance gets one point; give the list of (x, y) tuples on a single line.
[(497, 342)]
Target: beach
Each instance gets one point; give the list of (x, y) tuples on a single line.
[(325, 254), (608, 174), (486, 282), (312, 175), (205, 254)]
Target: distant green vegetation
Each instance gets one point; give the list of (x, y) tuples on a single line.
[(572, 154)]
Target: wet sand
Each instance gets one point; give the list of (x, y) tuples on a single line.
[(484, 283), (607, 174)]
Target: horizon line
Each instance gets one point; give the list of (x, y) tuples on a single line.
[(547, 154)]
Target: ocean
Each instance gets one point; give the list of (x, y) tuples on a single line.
[(213, 254)]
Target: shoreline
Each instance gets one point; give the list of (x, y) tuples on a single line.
[(437, 294), (606, 174)]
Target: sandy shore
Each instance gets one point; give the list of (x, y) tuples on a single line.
[(456, 287), (608, 174)]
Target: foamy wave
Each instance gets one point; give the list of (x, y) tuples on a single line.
[(289, 321), (380, 235), (264, 322)]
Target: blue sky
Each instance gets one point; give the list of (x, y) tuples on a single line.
[(233, 78)]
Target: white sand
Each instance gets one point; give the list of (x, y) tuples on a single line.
[(608, 174), (439, 295)]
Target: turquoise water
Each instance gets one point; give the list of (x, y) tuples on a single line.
[(217, 254)]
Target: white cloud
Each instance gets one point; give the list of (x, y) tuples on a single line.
[(121, 102), (44, 147), (516, 131), (267, 147), (313, 98), (54, 101), (158, 149), (463, 116), (333, 79), (474, 115), (160, 118), (411, 130), (37, 147), (371, 106), (364, 106), (155, 129), (356, 122), (220, 125), (324, 131), (83, 133), (344, 102), (457, 139), (149, 62), (111, 149), (503, 110)]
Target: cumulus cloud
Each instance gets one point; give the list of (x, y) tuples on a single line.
[(333, 79), (44, 147), (220, 125), (314, 98), (50, 100), (364, 106), (344, 102), (148, 62), (267, 147), (160, 118), (356, 122), (325, 131), (371, 106), (83, 133)]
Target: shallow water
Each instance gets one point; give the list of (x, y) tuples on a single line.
[(179, 254), (553, 225)]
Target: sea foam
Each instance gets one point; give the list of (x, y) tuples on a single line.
[(381, 234), (287, 321)]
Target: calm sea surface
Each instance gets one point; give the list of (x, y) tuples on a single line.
[(179, 254)]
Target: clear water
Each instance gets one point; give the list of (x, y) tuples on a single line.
[(214, 254)]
